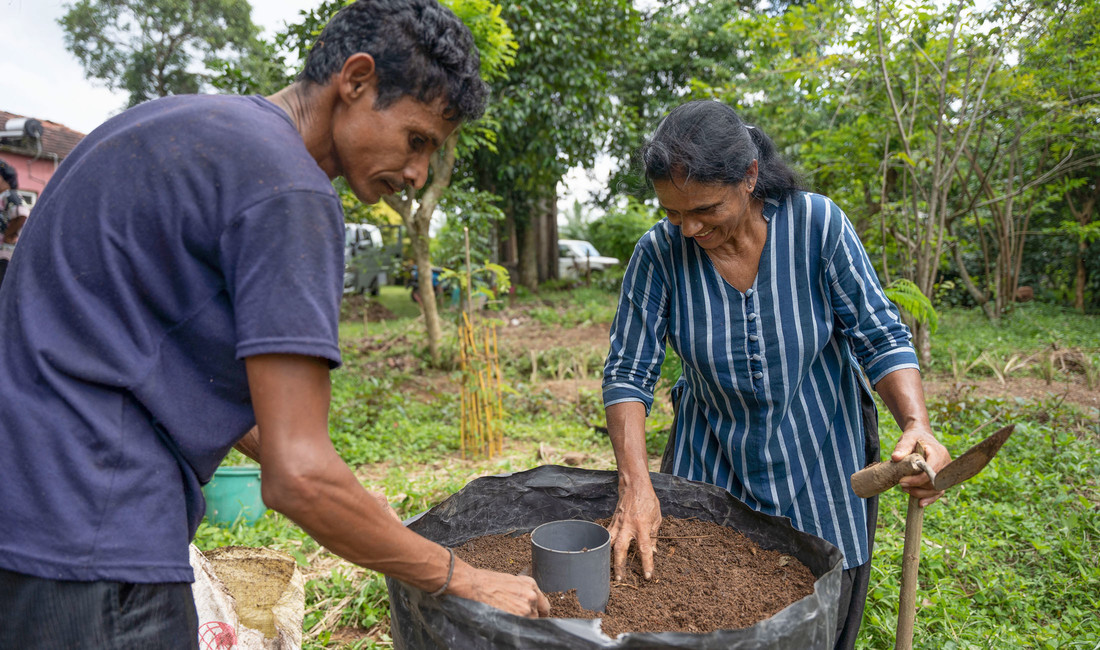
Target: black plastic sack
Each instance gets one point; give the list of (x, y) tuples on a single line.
[(517, 503)]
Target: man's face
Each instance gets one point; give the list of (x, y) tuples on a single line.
[(381, 151)]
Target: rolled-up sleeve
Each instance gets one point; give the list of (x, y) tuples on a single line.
[(638, 332), (871, 322)]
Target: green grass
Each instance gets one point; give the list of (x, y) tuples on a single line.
[(574, 307), (1009, 560), (1034, 339)]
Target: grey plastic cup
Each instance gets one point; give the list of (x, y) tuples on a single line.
[(573, 554)]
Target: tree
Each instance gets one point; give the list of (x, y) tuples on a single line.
[(554, 112), (1065, 59), (576, 222), (684, 52), (148, 48)]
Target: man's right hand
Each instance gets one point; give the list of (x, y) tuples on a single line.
[(517, 595), (308, 482), (638, 517)]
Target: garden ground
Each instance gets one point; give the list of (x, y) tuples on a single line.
[(1010, 559)]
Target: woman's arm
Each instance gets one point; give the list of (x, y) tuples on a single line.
[(631, 371), (903, 394), (638, 512), (880, 341)]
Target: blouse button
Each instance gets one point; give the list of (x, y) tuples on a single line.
[(754, 338), (757, 375), (756, 357), (748, 293), (752, 316)]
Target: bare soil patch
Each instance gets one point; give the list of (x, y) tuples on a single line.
[(1018, 387), (363, 308), (707, 577), (525, 334)]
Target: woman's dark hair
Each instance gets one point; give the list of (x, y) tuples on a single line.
[(707, 142), (420, 49), (7, 172)]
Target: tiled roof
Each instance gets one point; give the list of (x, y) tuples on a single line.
[(56, 138)]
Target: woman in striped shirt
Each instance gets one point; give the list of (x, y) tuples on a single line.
[(767, 295)]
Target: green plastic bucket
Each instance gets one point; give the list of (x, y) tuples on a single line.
[(234, 493)]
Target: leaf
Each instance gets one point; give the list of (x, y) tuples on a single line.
[(908, 296)]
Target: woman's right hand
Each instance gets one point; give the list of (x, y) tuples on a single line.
[(637, 517), (517, 595)]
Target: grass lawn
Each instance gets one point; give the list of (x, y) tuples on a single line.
[(1010, 559)]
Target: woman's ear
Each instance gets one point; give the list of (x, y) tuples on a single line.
[(751, 174)]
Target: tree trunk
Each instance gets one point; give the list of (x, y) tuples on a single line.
[(418, 230), (1084, 218), (528, 255), (544, 237), (508, 246), (1081, 279), (552, 236), (977, 294), (419, 223), (922, 341)]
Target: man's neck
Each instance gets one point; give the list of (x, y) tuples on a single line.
[(309, 107)]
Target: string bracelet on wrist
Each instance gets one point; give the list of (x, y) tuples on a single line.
[(450, 574)]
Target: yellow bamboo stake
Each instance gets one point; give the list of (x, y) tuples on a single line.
[(499, 395), (464, 432)]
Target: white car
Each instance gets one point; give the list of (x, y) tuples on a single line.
[(577, 257)]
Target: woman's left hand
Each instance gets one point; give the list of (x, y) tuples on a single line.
[(936, 455)]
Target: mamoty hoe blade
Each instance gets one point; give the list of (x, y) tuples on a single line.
[(972, 462)]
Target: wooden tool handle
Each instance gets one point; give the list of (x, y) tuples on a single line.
[(880, 477), (910, 562)]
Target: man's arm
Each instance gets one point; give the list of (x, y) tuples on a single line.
[(903, 394), (306, 480)]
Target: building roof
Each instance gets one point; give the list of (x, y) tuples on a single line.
[(57, 139)]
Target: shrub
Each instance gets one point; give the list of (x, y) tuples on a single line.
[(616, 233)]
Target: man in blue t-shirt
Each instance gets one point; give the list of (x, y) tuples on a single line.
[(179, 284)]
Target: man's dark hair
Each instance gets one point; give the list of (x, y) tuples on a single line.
[(7, 172), (420, 49), (707, 142)]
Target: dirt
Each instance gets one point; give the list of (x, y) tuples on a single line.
[(707, 577), (1019, 387)]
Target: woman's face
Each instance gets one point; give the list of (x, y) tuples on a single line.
[(712, 214)]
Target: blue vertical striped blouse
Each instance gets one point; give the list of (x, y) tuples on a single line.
[(770, 405)]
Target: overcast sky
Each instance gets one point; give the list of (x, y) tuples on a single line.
[(44, 80)]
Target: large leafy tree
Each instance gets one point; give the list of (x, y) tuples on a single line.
[(945, 131), (554, 112), (684, 51), (152, 48), (1064, 58)]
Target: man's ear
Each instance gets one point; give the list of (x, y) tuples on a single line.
[(357, 78)]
